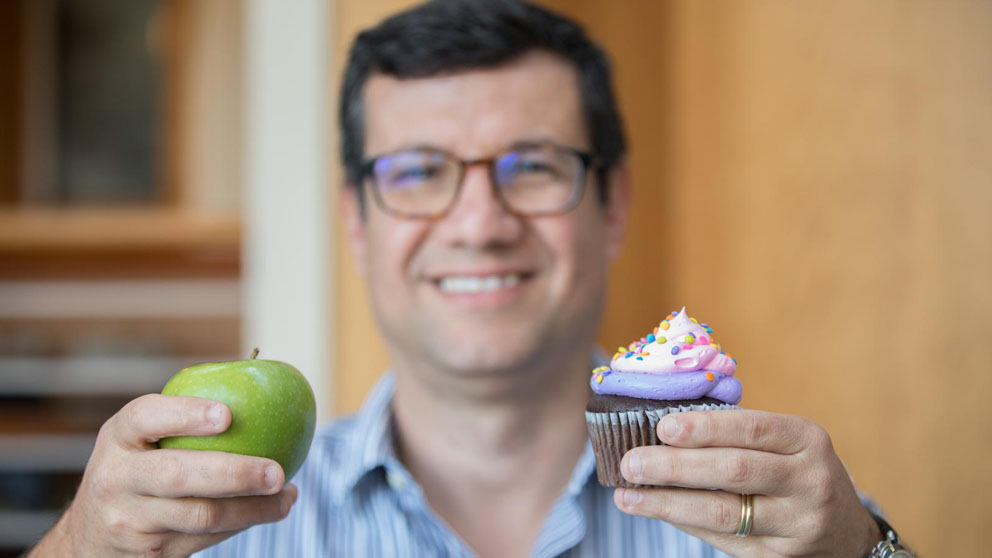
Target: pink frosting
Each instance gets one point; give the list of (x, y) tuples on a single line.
[(701, 353), (679, 361)]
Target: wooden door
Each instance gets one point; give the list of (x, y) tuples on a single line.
[(813, 179)]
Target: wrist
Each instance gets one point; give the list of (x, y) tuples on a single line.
[(874, 535), (57, 542), (890, 544)]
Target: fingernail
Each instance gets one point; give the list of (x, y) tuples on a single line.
[(631, 497), (670, 427), (215, 414), (271, 476), (634, 465)]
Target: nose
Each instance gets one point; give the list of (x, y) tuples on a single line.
[(478, 219)]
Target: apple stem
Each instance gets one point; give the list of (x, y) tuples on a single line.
[(254, 352)]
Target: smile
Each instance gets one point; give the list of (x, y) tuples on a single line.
[(466, 284)]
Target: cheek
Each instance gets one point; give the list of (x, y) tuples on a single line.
[(392, 245), (579, 249)]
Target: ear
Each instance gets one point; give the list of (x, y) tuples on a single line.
[(617, 210), (350, 212)]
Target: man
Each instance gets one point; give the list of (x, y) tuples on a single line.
[(487, 194)]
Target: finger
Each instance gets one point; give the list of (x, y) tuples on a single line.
[(757, 430), (149, 418), (713, 511), (187, 545), (219, 515), (730, 469), (172, 473)]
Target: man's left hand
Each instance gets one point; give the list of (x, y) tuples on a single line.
[(804, 502)]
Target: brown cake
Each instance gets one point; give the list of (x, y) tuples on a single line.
[(676, 368)]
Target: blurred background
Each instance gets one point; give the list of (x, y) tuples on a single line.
[(811, 178)]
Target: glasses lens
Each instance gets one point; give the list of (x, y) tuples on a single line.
[(416, 182), (539, 179)]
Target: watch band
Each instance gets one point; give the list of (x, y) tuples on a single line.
[(890, 546)]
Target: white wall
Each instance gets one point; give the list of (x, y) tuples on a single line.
[(287, 206)]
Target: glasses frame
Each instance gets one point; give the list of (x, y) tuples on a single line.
[(587, 160)]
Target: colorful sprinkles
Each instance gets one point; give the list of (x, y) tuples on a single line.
[(687, 342), (600, 372)]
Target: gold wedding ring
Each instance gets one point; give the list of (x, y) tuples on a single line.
[(747, 515)]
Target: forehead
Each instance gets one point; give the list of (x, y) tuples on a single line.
[(476, 112)]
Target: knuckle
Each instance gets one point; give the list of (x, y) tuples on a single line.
[(101, 484), (724, 516), (818, 527), (192, 413), (244, 477), (820, 485), (205, 516), (134, 410), (666, 469), (105, 432), (755, 431), (659, 507), (737, 469), (186, 416), (118, 523), (819, 439), (815, 527), (174, 473)]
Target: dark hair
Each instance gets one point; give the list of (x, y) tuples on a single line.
[(443, 36)]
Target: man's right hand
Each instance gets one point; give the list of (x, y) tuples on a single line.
[(138, 500)]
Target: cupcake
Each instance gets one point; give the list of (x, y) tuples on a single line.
[(678, 367)]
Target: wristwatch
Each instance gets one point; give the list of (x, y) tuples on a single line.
[(890, 546)]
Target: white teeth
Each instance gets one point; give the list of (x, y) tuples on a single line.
[(464, 284)]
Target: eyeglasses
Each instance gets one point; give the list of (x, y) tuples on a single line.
[(530, 180)]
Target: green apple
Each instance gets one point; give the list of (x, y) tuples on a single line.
[(273, 412)]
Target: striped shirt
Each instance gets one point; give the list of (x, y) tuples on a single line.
[(357, 499)]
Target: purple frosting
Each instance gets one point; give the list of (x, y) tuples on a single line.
[(675, 386)]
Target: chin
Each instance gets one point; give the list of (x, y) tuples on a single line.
[(482, 359)]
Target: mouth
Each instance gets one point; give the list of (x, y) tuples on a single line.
[(470, 284), (483, 289)]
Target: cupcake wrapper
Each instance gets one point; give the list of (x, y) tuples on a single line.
[(614, 434)]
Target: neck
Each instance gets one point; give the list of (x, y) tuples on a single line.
[(510, 442)]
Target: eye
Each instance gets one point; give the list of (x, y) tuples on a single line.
[(409, 169), (420, 172), (523, 165)]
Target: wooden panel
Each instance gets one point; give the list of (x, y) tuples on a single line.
[(360, 355), (818, 176), (826, 185), (11, 55), (841, 198), (117, 242)]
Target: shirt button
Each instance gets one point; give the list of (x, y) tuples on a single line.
[(396, 479)]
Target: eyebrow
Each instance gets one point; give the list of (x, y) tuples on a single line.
[(517, 144)]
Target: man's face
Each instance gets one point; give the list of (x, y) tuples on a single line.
[(482, 290)]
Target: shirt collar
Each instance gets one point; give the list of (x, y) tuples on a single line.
[(371, 444)]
